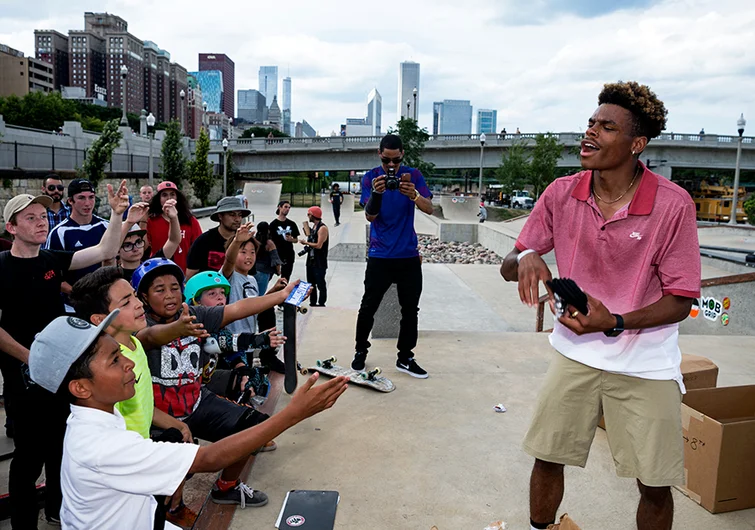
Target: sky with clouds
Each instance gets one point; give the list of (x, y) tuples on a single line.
[(540, 63)]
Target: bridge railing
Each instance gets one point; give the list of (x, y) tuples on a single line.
[(463, 140)]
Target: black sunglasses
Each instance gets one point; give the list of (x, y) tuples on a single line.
[(53, 187), (128, 247), (387, 160)]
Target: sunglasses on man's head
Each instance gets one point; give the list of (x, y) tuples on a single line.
[(53, 187), (387, 160), (128, 247)]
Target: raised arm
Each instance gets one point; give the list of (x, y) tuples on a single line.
[(161, 334), (253, 306), (111, 239), (174, 235), (135, 214), (243, 234)]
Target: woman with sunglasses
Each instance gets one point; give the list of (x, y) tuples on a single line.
[(132, 252)]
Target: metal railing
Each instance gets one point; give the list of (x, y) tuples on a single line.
[(32, 157)]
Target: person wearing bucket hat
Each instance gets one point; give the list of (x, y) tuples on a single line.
[(159, 226), (285, 233), (208, 251), (111, 475), (30, 287), (316, 246)]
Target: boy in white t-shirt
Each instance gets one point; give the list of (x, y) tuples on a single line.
[(110, 475)]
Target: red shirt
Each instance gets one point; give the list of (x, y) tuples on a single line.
[(158, 229), (647, 250)]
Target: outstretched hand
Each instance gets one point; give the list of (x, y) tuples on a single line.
[(309, 400), (118, 201), (531, 271), (245, 232), (276, 337), (136, 212), (188, 327)]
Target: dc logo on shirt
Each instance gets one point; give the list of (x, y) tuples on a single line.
[(284, 231)]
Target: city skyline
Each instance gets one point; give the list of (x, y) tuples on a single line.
[(516, 60)]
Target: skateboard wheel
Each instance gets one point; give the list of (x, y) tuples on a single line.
[(303, 310), (304, 371)]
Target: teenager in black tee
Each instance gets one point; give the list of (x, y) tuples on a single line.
[(285, 233)]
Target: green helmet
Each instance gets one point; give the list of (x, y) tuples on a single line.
[(202, 281)]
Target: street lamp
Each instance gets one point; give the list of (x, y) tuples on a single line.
[(408, 106), (741, 122), (482, 148), (150, 123), (414, 93), (225, 166), (204, 117), (181, 117), (124, 74), (230, 128)]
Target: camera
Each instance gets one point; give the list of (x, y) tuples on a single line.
[(391, 180), (303, 252)]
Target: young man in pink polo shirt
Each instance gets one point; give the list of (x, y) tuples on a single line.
[(628, 237)]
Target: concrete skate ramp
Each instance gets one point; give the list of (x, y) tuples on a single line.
[(460, 208), (263, 198), (347, 208)]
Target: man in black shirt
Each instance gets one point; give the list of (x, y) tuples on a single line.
[(207, 253), (317, 257), (285, 233), (336, 198), (30, 280)]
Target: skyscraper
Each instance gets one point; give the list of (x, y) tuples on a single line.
[(408, 80), (437, 105), (213, 91), (268, 78), (375, 111), (251, 106), (286, 108), (87, 52), (52, 47), (223, 64), (487, 121), (274, 114), (454, 116)]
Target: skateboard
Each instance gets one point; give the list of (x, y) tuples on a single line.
[(368, 378), (291, 308), (315, 510)]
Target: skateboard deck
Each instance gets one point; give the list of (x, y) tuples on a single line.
[(315, 510), (291, 308), (368, 378)]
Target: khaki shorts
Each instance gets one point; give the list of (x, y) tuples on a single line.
[(643, 421)]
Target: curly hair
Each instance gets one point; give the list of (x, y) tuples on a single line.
[(182, 206), (648, 111)]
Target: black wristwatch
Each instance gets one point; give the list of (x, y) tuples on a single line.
[(618, 329)]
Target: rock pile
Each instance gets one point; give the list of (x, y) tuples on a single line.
[(433, 250)]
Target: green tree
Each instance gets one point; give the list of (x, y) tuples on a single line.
[(515, 169), (200, 171), (414, 140), (172, 154), (749, 208), (545, 156), (231, 170), (262, 132), (100, 153)]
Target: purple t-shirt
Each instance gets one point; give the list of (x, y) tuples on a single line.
[(392, 232)]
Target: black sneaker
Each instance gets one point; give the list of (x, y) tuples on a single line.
[(241, 494), (411, 367), (359, 358)]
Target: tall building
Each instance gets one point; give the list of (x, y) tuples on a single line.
[(374, 112), (103, 23), (286, 107), (408, 80), (356, 127), (213, 91), (163, 87), (454, 116), (251, 106), (151, 75), (274, 114), (20, 75), (305, 130), (178, 106), (194, 109), (437, 105), (123, 49), (223, 64), (86, 50), (52, 47), (268, 79), (487, 121)]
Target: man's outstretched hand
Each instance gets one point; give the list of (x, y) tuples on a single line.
[(309, 399), (531, 271)]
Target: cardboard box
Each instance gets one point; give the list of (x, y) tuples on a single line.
[(697, 372), (719, 447)]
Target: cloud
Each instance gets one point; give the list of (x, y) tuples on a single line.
[(540, 63)]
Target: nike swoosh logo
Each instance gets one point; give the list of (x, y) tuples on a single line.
[(138, 379)]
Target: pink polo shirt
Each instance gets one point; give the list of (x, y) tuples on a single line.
[(647, 250)]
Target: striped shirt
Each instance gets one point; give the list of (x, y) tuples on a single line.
[(71, 236), (55, 218)]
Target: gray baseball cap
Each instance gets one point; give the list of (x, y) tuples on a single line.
[(59, 345)]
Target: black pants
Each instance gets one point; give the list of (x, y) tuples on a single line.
[(286, 269), (337, 212), (381, 273), (39, 419), (316, 276)]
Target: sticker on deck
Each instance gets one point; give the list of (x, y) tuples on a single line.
[(297, 295)]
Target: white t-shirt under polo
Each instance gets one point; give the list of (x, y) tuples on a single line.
[(109, 475)]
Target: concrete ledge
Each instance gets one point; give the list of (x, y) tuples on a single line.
[(458, 232)]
